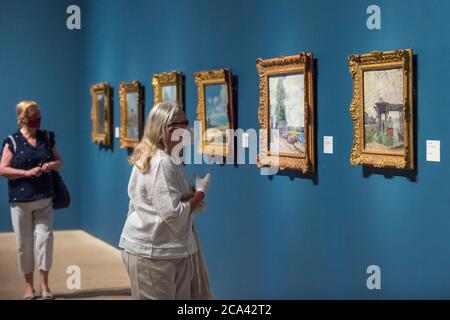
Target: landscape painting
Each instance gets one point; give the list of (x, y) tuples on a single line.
[(169, 93), (216, 112), (100, 113), (286, 113), (168, 87), (383, 110), (287, 107), (132, 115)]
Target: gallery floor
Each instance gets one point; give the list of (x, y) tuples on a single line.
[(103, 275)]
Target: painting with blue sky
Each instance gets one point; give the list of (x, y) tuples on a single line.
[(287, 107), (216, 110), (132, 115), (169, 93)]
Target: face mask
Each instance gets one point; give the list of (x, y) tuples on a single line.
[(34, 122)]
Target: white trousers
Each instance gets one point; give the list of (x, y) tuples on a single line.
[(159, 279), (33, 226)]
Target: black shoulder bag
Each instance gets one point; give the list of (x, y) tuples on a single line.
[(61, 195)]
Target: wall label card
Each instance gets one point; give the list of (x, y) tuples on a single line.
[(328, 144), (117, 132), (434, 150)]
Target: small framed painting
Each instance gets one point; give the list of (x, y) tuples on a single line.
[(101, 114), (382, 109), (215, 111), (131, 114), (286, 112), (168, 86)]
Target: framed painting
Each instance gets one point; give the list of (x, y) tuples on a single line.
[(286, 112), (101, 114), (382, 109), (215, 111), (168, 86), (131, 114)]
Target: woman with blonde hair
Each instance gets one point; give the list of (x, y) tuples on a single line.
[(161, 250), (29, 155)]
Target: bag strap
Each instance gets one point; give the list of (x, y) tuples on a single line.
[(47, 137), (13, 142)]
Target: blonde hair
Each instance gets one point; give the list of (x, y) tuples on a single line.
[(155, 134), (23, 108)]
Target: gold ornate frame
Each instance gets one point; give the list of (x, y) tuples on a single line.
[(101, 138), (300, 63), (376, 60), (125, 88), (164, 79), (202, 79)]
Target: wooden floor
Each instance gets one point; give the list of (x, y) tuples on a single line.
[(103, 275)]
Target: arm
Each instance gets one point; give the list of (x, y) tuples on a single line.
[(58, 162), (11, 173), (195, 200), (164, 191), (55, 164)]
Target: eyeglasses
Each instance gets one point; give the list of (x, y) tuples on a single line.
[(186, 123)]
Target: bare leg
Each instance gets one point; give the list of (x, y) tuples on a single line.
[(29, 286), (44, 280)]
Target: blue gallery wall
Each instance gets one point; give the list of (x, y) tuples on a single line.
[(283, 238), (262, 238), (40, 60)]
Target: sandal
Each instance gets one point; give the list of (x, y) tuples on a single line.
[(47, 295), (29, 296)]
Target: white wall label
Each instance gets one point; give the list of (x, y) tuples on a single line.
[(245, 140), (117, 132), (328, 144), (434, 150)]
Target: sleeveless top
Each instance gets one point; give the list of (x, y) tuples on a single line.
[(26, 157)]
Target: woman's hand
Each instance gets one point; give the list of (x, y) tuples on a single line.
[(201, 206), (47, 167), (189, 195), (202, 184), (35, 172), (195, 200)]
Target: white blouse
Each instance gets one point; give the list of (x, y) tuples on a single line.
[(158, 224)]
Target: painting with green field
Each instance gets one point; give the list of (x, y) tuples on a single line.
[(287, 107)]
